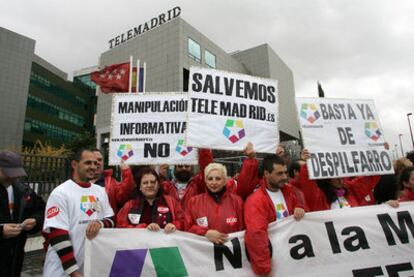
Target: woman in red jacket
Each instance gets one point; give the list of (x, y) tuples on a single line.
[(150, 209), (335, 193), (217, 212), (406, 183)]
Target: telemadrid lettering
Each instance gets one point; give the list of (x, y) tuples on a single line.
[(147, 26)]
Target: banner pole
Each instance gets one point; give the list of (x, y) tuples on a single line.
[(138, 72), (145, 77), (130, 74)]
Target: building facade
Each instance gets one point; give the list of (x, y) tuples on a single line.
[(38, 101), (170, 49), (16, 56)]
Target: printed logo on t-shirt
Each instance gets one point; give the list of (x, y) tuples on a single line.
[(281, 211), (89, 204), (134, 218), (343, 203), (202, 221), (52, 212), (231, 220), (163, 209)]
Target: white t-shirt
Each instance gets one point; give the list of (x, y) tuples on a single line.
[(279, 203), (70, 207), (340, 203)]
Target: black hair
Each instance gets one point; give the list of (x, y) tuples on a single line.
[(410, 156), (294, 166), (386, 188), (328, 190), (405, 176), (96, 150), (270, 160), (77, 155)]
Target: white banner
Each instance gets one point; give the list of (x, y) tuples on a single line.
[(149, 129), (227, 110), (364, 241), (344, 138)]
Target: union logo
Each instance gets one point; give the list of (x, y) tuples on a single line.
[(234, 130), (88, 204), (372, 131), (309, 112), (181, 149), (125, 151)]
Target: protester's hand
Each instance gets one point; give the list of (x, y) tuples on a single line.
[(28, 224), (216, 237), (76, 274), (123, 165), (169, 228), (304, 155), (93, 229), (11, 230), (153, 227), (280, 150), (249, 150), (298, 213), (393, 203), (386, 146)]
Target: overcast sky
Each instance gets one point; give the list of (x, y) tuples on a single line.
[(355, 48)]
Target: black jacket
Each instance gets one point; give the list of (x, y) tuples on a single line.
[(27, 204)]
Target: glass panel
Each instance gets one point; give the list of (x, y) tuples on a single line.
[(210, 59), (194, 50)]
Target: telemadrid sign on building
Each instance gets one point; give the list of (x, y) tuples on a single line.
[(149, 25)]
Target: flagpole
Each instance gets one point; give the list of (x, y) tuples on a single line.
[(138, 71), (130, 74), (145, 77)]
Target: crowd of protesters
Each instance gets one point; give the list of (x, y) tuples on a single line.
[(207, 203)]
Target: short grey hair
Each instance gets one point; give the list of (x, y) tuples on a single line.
[(215, 166)]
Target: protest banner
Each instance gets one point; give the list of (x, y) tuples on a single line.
[(364, 241), (227, 110), (149, 129), (344, 138)]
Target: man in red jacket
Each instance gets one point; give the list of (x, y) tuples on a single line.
[(185, 184), (118, 192), (272, 201)]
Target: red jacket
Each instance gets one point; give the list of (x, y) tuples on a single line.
[(119, 192), (259, 211), (196, 185), (122, 220), (315, 197), (247, 180), (204, 213), (407, 195), (362, 188)]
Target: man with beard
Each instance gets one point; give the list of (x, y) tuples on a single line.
[(74, 208), (273, 201), (185, 184)]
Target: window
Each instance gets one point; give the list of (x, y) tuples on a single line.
[(194, 50), (210, 59)]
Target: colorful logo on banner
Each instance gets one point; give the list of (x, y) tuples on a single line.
[(88, 204), (167, 262), (309, 112), (372, 131), (125, 151), (281, 211), (181, 149), (234, 130)]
